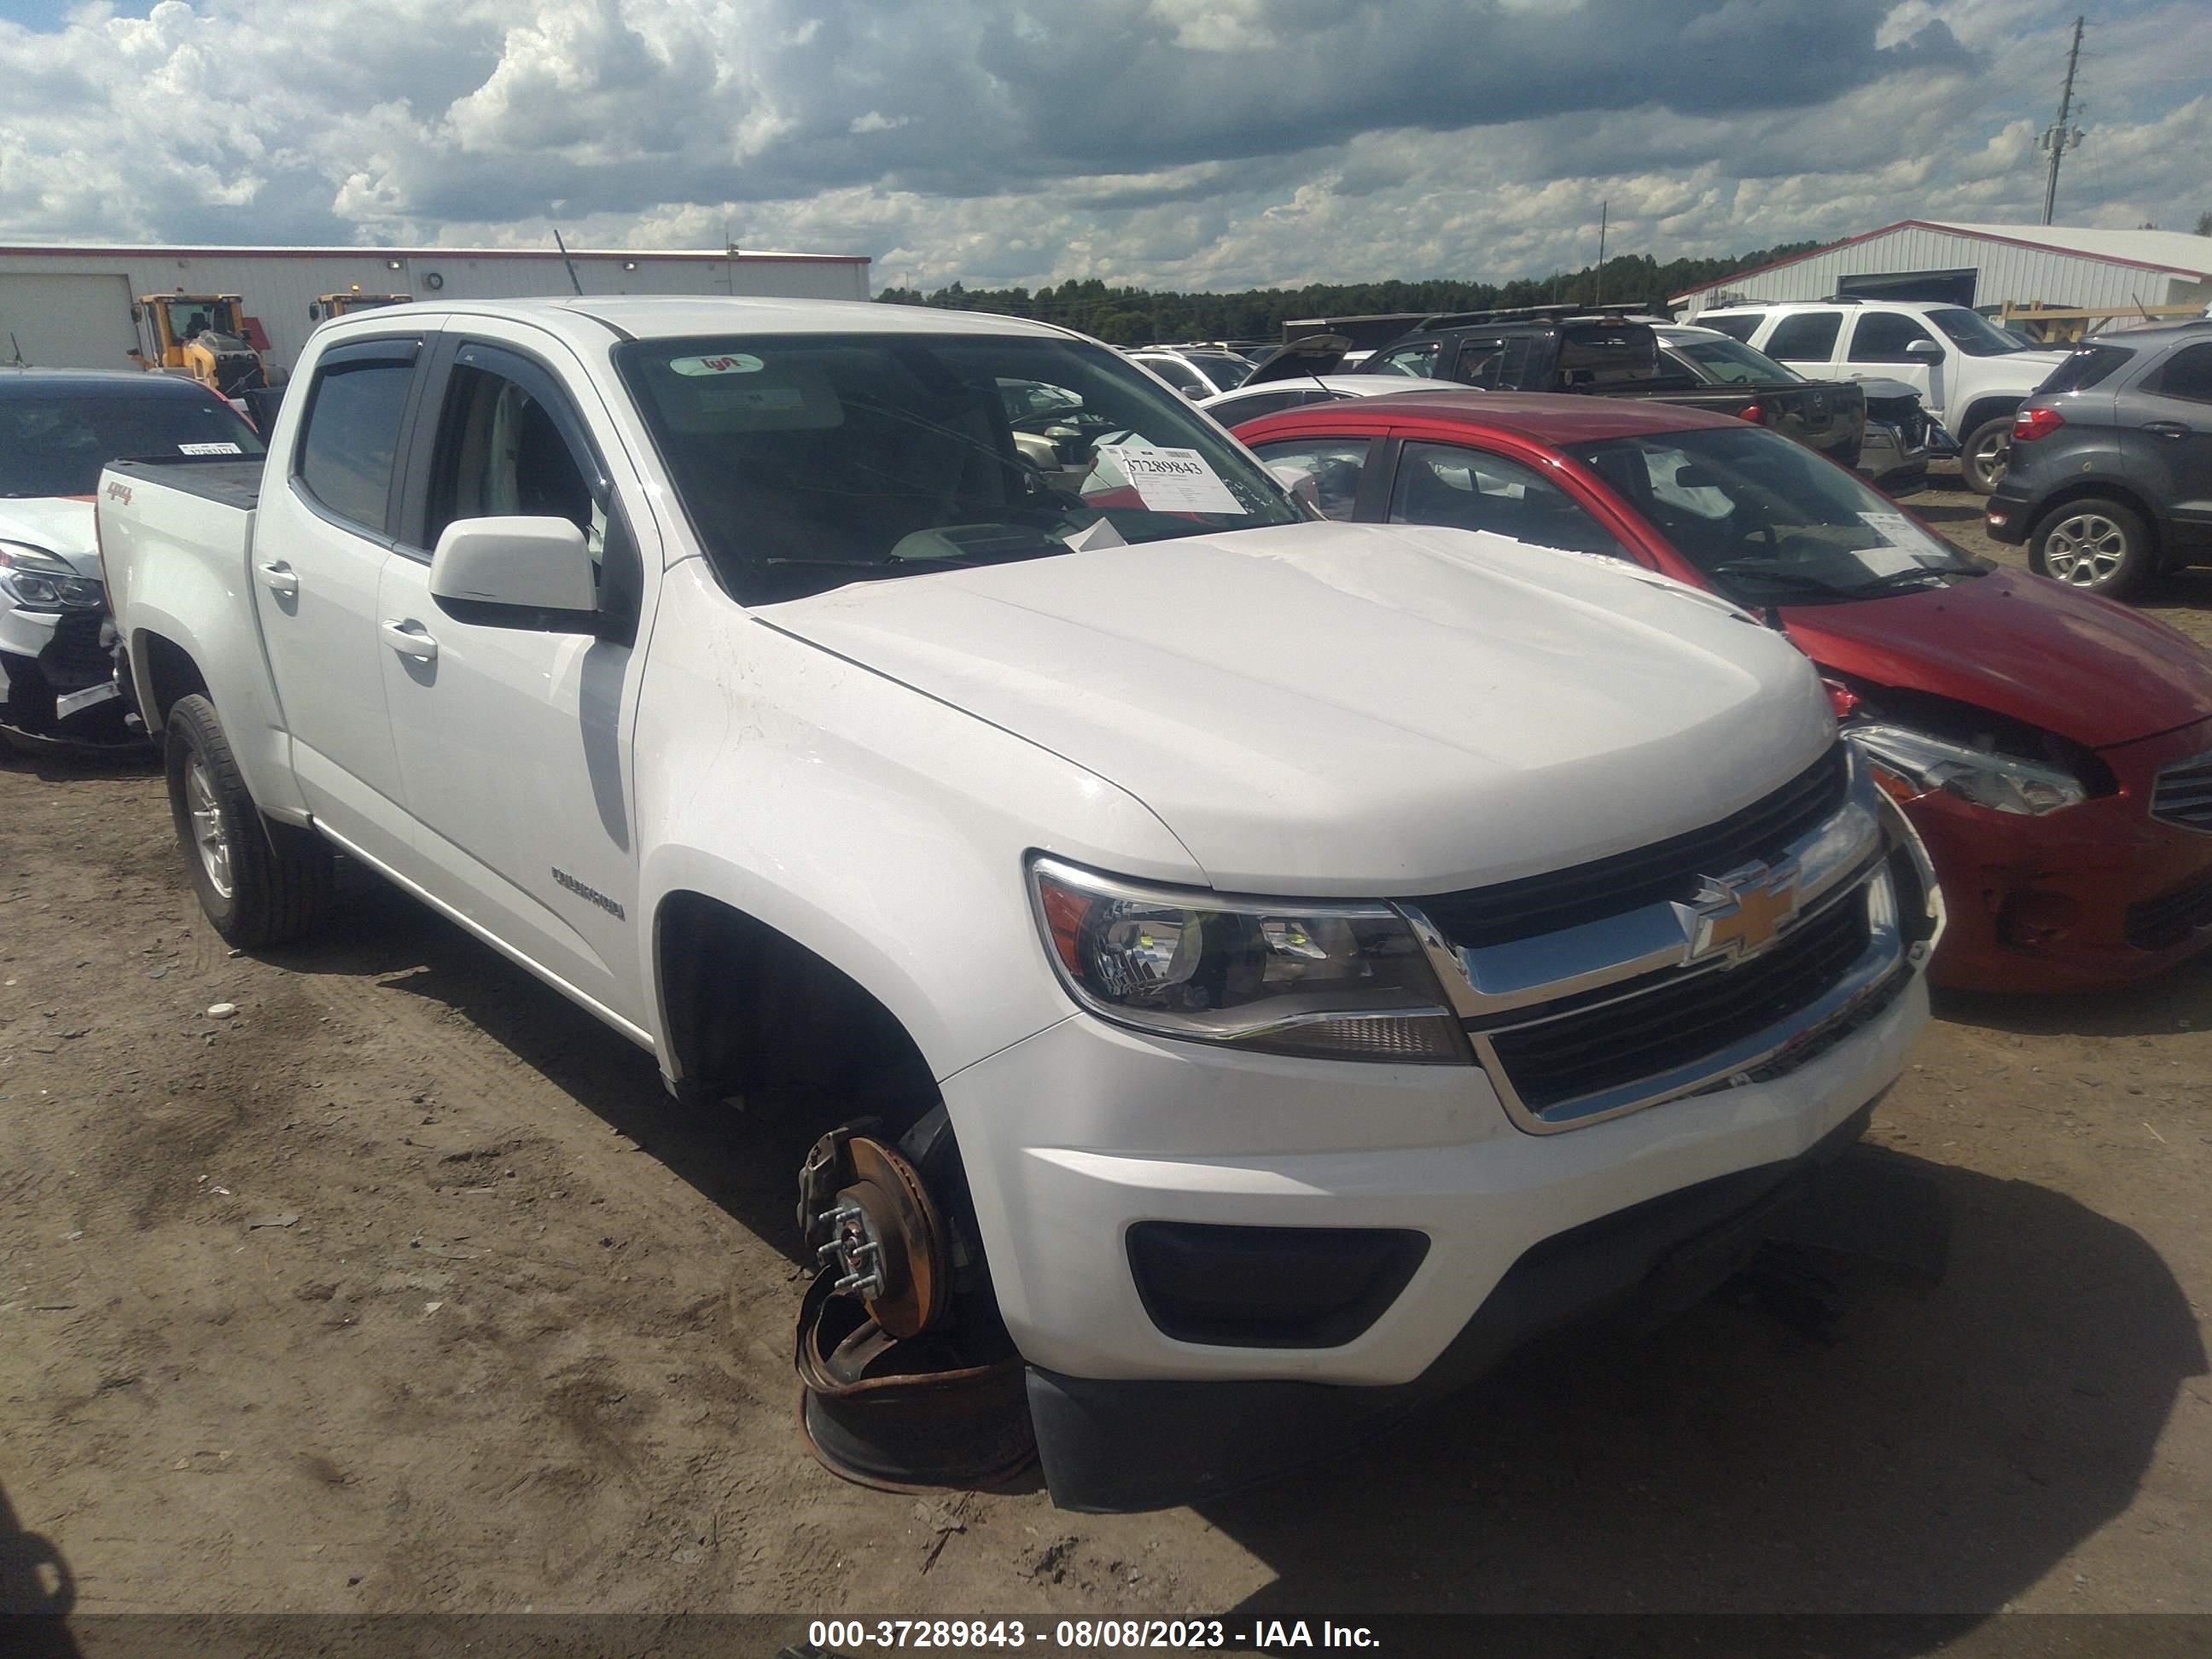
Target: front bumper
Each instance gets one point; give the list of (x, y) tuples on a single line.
[(57, 679), (2057, 904), (1123, 1444), (1897, 464)]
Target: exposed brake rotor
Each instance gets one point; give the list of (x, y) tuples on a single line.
[(879, 1234)]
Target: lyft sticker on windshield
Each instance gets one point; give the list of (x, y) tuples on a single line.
[(1172, 480), (209, 449), (727, 362)]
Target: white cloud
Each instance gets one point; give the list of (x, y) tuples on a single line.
[(1195, 143)]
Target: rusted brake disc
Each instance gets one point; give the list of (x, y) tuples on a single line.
[(881, 1236)]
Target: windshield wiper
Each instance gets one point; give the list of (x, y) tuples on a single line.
[(1903, 578), (1790, 581)]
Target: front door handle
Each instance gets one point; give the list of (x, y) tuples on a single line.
[(2166, 428), (409, 638), (280, 579)]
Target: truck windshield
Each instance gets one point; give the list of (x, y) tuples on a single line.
[(1770, 522), (808, 461), (56, 446), (1975, 334), (1730, 362)]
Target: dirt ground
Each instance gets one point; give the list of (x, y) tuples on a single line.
[(404, 1288)]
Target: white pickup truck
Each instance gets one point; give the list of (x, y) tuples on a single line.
[(1969, 373), (1341, 952)]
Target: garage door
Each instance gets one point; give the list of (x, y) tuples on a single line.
[(66, 322)]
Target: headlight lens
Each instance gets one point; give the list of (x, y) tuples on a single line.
[(44, 582), (1343, 982), (2004, 783)]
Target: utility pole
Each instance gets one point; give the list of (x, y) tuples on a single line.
[(2061, 138)]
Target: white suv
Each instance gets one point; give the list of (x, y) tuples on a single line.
[(1971, 375)]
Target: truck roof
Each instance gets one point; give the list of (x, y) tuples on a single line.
[(96, 382), (587, 317)]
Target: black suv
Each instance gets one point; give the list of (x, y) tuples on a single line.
[(2109, 479)]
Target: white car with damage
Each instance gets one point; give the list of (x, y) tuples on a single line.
[(1339, 952)]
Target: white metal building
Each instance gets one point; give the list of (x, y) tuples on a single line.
[(70, 307), (1984, 265)]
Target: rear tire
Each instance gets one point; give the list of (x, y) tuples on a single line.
[(2093, 543), (259, 882), (1982, 457)]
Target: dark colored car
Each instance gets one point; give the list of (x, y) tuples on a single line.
[(2111, 476), (1603, 354), (2054, 750), (59, 428)]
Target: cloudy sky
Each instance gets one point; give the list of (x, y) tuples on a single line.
[(1191, 143)]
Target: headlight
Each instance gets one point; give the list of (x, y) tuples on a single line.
[(44, 582), (2004, 783), (1343, 982)]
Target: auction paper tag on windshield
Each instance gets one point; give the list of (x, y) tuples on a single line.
[(1909, 547), (1172, 480), (209, 449)]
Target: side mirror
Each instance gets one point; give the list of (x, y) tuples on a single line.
[(532, 572), (1195, 393), (1926, 350)]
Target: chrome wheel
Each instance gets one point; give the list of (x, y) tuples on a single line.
[(210, 839), (1985, 462), (2084, 550)]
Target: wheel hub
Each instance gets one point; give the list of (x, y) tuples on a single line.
[(882, 1237)]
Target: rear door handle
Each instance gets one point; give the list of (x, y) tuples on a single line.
[(280, 580), (409, 638), (2167, 428)]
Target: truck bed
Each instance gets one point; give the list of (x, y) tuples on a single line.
[(227, 484)]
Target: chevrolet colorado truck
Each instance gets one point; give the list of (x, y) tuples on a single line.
[(1339, 953)]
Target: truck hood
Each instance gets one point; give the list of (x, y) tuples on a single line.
[(1333, 709), (2088, 669), (60, 525)]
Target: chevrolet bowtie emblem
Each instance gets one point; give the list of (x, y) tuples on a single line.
[(1737, 913)]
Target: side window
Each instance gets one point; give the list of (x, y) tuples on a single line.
[(1883, 336), (1420, 360), (1482, 364), (1467, 489), (501, 453), (2188, 374), (1802, 337), (1334, 465), (351, 433), (1179, 375), (1741, 326)]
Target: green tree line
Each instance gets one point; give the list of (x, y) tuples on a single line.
[(1134, 316)]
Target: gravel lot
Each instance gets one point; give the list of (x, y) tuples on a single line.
[(403, 1288)]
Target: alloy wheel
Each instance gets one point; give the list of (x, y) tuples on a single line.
[(2084, 550), (210, 837), (1987, 459)]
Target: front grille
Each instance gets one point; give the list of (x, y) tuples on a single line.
[(2183, 794), (1680, 1023), (2153, 924), (1669, 869)]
